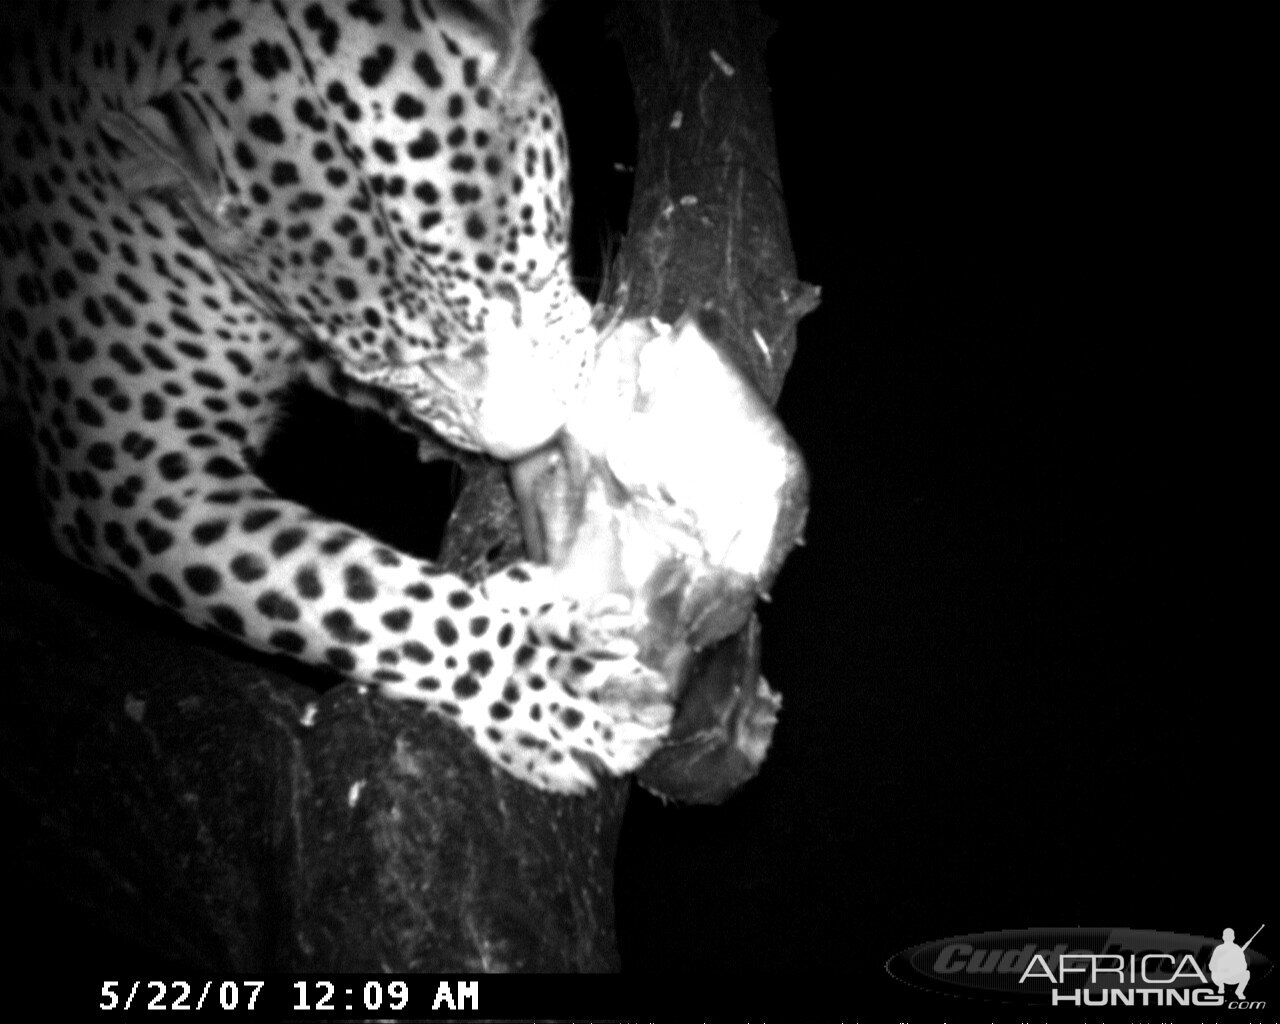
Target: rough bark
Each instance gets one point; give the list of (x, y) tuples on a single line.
[(708, 228), (224, 814)]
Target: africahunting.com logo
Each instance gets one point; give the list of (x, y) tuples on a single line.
[(1082, 967)]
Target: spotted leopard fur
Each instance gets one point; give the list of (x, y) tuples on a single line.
[(204, 203)]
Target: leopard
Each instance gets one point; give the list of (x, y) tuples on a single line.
[(205, 204)]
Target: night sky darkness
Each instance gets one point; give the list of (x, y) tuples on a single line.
[(1015, 652)]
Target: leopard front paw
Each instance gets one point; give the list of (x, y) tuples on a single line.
[(561, 733), (604, 629)]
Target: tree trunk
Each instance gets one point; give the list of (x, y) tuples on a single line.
[(220, 814)]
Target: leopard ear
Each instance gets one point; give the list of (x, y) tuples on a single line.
[(164, 149), (163, 146), (505, 28)]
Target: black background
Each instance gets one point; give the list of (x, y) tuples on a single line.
[(1020, 653)]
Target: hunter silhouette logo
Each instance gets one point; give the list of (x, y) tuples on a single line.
[(1227, 966)]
